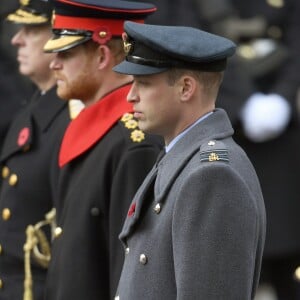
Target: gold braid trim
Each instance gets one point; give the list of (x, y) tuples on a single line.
[(26, 17), (37, 245), (30, 241)]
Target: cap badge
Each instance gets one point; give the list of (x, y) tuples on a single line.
[(126, 44), (24, 2), (101, 35), (23, 136)]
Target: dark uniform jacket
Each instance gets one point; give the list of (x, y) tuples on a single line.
[(29, 179), (199, 232), (103, 165)]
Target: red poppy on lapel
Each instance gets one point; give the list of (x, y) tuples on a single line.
[(23, 136), (131, 210)]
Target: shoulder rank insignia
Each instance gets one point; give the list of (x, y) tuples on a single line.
[(131, 124), (137, 135), (214, 151)]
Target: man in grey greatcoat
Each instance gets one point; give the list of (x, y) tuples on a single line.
[(196, 226)]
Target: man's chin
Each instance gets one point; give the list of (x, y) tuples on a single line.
[(24, 71), (143, 126), (62, 95)]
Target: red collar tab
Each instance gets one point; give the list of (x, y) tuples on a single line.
[(93, 123), (116, 27)]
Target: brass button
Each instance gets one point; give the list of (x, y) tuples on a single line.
[(6, 214), (143, 259), (5, 172), (1, 283), (13, 179), (127, 250), (57, 232), (102, 34), (0, 249), (157, 208), (276, 3), (297, 274), (95, 211), (246, 52)]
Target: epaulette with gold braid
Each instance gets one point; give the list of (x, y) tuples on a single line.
[(130, 123)]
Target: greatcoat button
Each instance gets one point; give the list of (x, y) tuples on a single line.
[(276, 3), (117, 298), (1, 283), (127, 250), (57, 232), (5, 172), (13, 179), (95, 211), (6, 214), (297, 274), (157, 208), (1, 249), (143, 259)]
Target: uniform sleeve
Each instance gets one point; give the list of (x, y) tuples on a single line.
[(131, 171), (215, 233)]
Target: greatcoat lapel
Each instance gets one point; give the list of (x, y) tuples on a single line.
[(216, 126), (138, 201), (41, 111)]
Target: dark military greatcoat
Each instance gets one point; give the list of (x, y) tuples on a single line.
[(29, 179), (104, 159), (198, 232)]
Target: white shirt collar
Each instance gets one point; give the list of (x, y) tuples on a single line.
[(179, 136)]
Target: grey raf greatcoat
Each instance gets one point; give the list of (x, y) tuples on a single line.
[(199, 234)]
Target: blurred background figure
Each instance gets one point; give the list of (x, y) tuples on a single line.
[(260, 93), (15, 88), (28, 160)]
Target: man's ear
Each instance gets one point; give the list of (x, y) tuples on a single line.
[(104, 57), (187, 87)]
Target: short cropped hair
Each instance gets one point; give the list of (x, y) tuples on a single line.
[(115, 45), (208, 80)]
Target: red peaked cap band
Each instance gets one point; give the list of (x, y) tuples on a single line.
[(68, 22), (77, 21)]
